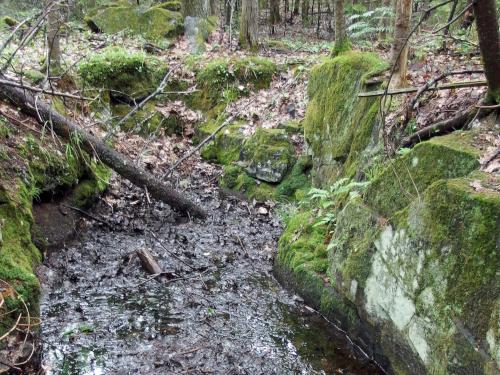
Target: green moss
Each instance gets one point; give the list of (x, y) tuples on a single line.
[(256, 70), (154, 23), (18, 255), (352, 244), (292, 126), (34, 76), (8, 21), (145, 121), (235, 178), (174, 6), (122, 72), (302, 245), (463, 227), (237, 75), (338, 125), (296, 184), (341, 47), (226, 146), (87, 190), (268, 154), (405, 178)]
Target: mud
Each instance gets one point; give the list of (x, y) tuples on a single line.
[(217, 309)]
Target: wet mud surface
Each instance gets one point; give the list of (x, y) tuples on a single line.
[(217, 309)]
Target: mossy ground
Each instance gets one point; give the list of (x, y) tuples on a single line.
[(35, 165)]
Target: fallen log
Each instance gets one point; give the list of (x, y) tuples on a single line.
[(116, 161), (148, 262), (409, 90), (459, 121)]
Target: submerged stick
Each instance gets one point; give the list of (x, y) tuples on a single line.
[(148, 262)]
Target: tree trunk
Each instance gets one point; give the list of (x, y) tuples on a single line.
[(119, 163), (54, 22), (249, 24), (399, 52), (489, 44), (341, 41), (296, 7), (446, 30), (274, 13), (196, 8), (305, 12), (384, 21)]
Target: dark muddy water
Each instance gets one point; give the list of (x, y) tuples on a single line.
[(217, 310)]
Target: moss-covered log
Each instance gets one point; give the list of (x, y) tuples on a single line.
[(122, 165)]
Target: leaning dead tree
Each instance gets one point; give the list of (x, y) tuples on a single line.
[(118, 162)]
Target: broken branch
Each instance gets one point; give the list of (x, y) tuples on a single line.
[(408, 90), (148, 262)]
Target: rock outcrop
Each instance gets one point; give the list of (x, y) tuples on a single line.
[(408, 263)]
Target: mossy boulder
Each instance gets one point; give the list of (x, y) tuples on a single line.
[(223, 80), (424, 275), (338, 125), (153, 23), (268, 155), (226, 146), (235, 178), (406, 177), (440, 262), (126, 75)]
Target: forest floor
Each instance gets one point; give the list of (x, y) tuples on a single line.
[(222, 308)]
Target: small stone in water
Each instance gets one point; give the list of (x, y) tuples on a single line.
[(262, 211)]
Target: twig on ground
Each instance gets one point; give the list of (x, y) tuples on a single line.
[(42, 91)]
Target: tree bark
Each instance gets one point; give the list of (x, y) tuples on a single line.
[(341, 41), (489, 44), (274, 13), (54, 22), (305, 12), (119, 163), (296, 7), (446, 30), (399, 52), (196, 8), (249, 24)]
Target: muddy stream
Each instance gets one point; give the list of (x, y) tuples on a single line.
[(216, 310)]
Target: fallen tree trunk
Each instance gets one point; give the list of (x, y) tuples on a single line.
[(459, 121), (118, 162)]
